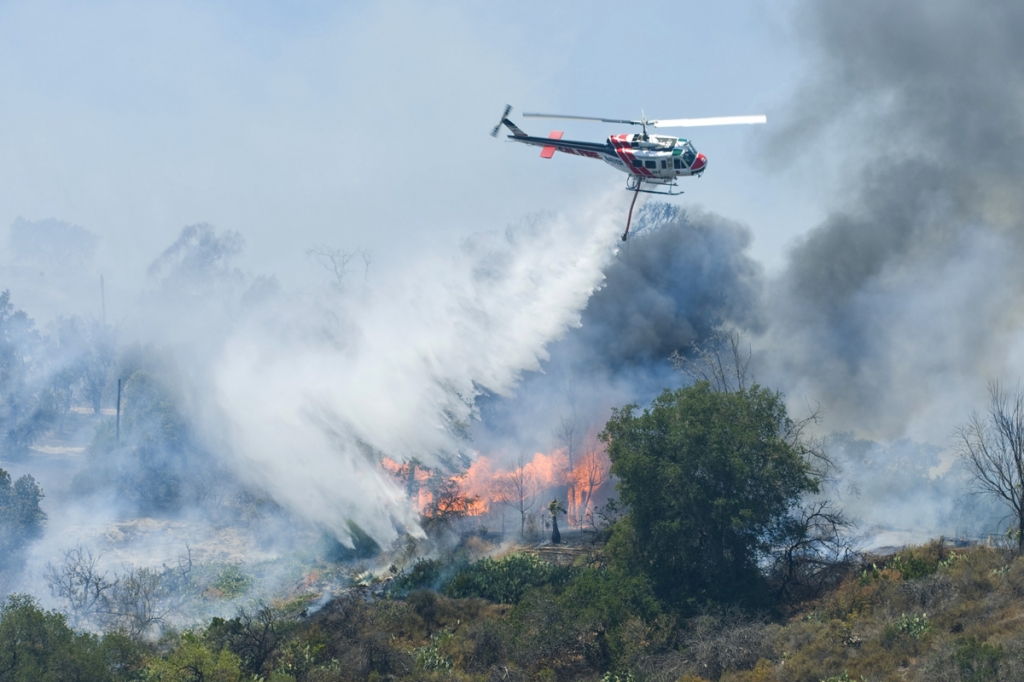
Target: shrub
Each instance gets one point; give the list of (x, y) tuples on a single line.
[(232, 582), (505, 580), (976, 661), (914, 627), (425, 573)]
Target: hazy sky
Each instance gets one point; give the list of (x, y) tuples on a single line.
[(364, 125)]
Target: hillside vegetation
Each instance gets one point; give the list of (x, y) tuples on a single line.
[(926, 613)]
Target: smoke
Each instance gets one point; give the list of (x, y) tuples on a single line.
[(310, 394), (893, 313), (897, 309), (681, 275)]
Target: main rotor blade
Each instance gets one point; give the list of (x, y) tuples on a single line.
[(717, 121), (584, 118)]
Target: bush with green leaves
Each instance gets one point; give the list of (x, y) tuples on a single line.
[(193, 660), (232, 582), (425, 573), (908, 626), (976, 661), (505, 580)]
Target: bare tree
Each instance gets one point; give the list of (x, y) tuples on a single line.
[(720, 360), (254, 635), (991, 448), (135, 601), (80, 583), (592, 472), (570, 434), (813, 551), (333, 260), (516, 490)]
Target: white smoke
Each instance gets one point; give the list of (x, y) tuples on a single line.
[(315, 392)]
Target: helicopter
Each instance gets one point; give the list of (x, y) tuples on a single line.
[(652, 160)]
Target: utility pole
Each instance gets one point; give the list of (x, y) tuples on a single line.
[(118, 411)]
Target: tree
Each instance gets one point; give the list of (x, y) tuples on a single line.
[(79, 582), (720, 360), (448, 505), (253, 635), (591, 472), (26, 407), (21, 519), (709, 477), (193, 661), (37, 645), (991, 448), (135, 601), (516, 490), (555, 508)]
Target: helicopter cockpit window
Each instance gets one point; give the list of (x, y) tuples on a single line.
[(689, 154), (676, 163)]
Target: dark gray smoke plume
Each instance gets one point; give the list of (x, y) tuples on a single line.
[(905, 301), (680, 276)]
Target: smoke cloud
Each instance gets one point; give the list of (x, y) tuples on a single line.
[(899, 307), (314, 391)]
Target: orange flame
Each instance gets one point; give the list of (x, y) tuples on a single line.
[(486, 482)]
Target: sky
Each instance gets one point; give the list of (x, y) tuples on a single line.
[(364, 125)]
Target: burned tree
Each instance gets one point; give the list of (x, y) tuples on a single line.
[(516, 490), (79, 582), (555, 508), (136, 602), (590, 475), (447, 506), (720, 361), (991, 448)]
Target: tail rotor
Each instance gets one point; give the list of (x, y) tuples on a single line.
[(508, 108)]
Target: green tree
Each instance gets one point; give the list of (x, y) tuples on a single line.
[(38, 646), (21, 519), (710, 479), (193, 661)]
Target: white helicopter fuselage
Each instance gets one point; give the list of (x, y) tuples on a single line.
[(653, 159)]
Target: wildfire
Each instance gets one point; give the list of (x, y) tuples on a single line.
[(487, 483)]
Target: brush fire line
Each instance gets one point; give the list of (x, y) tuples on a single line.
[(489, 488)]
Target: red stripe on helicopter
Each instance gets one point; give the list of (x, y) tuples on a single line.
[(549, 151), (623, 149)]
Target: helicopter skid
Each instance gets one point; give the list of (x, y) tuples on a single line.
[(669, 193), (635, 184)]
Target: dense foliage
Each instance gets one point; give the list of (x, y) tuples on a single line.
[(21, 519), (710, 481), (38, 646)]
